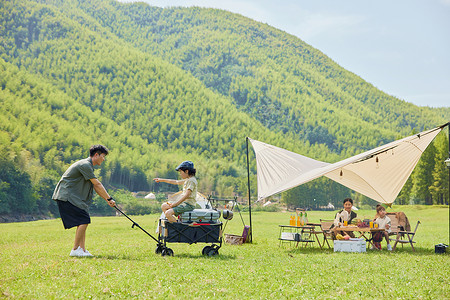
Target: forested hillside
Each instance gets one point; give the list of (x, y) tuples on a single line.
[(276, 78), (158, 86)]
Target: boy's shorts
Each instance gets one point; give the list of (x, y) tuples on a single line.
[(183, 207)]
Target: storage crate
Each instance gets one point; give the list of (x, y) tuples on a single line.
[(290, 236), (352, 245), (234, 239)]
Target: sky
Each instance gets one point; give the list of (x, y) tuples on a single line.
[(402, 47)]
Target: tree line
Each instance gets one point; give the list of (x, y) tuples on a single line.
[(159, 86)]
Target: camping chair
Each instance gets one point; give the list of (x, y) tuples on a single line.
[(326, 230), (395, 225), (399, 222), (404, 237)]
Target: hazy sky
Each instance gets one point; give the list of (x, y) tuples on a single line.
[(400, 46)]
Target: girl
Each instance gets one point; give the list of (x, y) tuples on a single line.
[(384, 222)]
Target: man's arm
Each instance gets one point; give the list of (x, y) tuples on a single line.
[(101, 191)]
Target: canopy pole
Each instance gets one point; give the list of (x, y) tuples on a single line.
[(448, 201), (249, 198)]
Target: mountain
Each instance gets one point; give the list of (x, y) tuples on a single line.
[(159, 86)]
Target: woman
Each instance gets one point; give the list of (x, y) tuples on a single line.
[(344, 215)]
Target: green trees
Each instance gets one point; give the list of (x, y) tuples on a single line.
[(16, 190), (159, 86), (428, 184), (439, 175), (315, 194)]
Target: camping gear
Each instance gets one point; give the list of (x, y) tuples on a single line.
[(405, 237), (351, 245), (184, 233), (190, 233), (379, 173), (247, 233), (440, 248), (227, 214), (200, 216), (234, 239)]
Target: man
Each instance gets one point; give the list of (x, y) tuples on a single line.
[(73, 193)]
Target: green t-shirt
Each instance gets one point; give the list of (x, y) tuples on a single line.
[(75, 185)]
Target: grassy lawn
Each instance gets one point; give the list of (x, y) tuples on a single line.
[(35, 263)]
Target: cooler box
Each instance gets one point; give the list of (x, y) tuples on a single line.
[(200, 216), (351, 245)]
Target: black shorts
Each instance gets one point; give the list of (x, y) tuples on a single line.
[(71, 215)]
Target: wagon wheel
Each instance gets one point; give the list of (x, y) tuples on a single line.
[(206, 250), (159, 249), (213, 252), (167, 251)]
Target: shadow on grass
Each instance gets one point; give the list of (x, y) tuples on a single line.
[(123, 257), (399, 251), (200, 256), (144, 258)]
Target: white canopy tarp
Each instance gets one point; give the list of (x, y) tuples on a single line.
[(379, 173)]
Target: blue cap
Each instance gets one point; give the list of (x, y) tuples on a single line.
[(185, 165)]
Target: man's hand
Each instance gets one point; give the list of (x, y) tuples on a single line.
[(111, 202)]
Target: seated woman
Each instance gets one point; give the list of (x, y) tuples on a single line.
[(344, 215)]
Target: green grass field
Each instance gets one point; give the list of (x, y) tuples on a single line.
[(35, 263)]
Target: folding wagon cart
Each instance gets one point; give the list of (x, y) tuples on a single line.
[(190, 233)]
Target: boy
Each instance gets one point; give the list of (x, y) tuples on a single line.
[(187, 201)]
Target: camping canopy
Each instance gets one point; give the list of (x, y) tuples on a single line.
[(379, 173)]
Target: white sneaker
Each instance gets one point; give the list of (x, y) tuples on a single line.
[(87, 254), (389, 247), (79, 252)]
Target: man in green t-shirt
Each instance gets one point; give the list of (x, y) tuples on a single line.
[(74, 192)]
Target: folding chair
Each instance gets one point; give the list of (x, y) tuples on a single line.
[(326, 230), (405, 237)]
